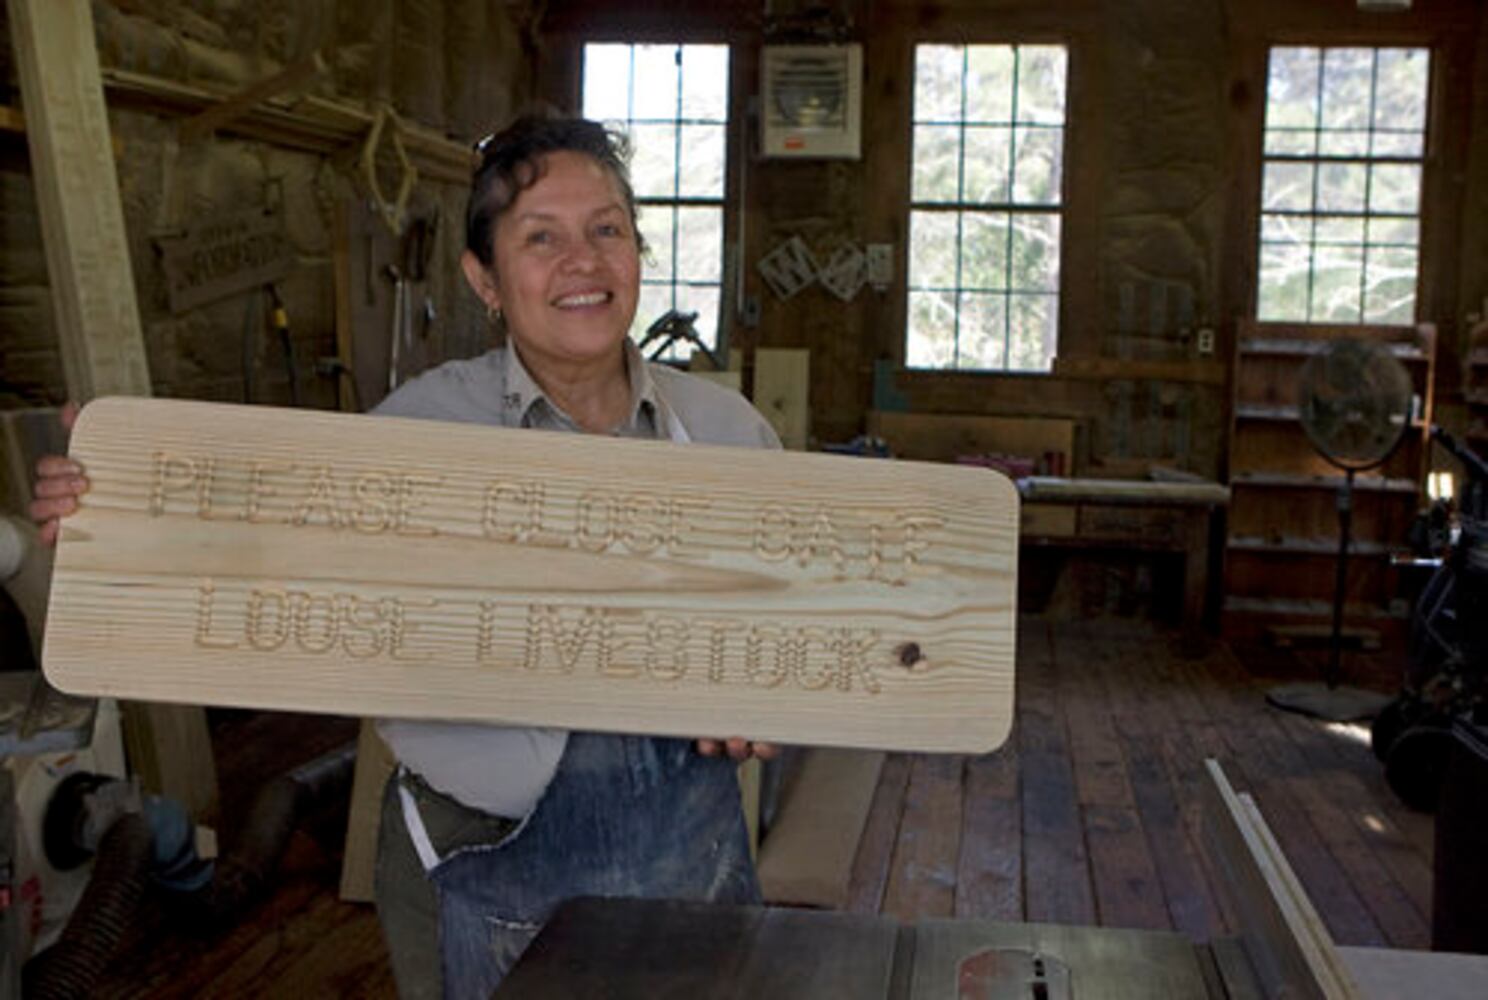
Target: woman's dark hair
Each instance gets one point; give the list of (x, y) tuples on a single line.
[(511, 162)]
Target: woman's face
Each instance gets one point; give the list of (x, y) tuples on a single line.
[(567, 269)]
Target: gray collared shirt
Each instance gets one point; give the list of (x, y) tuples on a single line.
[(500, 769)]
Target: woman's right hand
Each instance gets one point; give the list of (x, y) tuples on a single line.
[(59, 483)]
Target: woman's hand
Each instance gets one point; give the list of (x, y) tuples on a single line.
[(738, 749), (59, 483)]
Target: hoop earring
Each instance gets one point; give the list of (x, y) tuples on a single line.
[(493, 313)]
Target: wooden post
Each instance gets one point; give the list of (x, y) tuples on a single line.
[(103, 348)]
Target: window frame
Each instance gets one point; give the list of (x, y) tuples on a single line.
[(728, 200), (1426, 207), (1009, 208)]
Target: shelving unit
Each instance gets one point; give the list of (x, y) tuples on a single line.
[(1475, 389), (1282, 536)]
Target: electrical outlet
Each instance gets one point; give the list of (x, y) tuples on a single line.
[(880, 265), (1206, 342), (751, 311)]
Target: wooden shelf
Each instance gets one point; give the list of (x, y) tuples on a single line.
[(1311, 546), (1265, 411), (1277, 607), (1283, 513), (1297, 348), (1362, 484)]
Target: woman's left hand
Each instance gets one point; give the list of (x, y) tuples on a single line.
[(738, 749)]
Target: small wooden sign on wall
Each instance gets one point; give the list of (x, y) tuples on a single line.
[(293, 559), (225, 255)]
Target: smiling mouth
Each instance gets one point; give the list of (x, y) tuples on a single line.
[(583, 300)]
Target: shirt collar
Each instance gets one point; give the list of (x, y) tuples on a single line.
[(522, 392)]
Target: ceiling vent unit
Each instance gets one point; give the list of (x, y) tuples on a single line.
[(813, 101)]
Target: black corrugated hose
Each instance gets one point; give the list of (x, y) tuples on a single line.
[(136, 851), (72, 966)]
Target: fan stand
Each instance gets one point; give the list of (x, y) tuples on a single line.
[(1329, 700)]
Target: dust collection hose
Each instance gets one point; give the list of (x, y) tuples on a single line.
[(72, 966), (155, 845)]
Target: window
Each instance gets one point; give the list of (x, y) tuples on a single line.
[(985, 206), (672, 101), (1341, 184)]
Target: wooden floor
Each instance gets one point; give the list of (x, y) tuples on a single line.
[(1088, 816)]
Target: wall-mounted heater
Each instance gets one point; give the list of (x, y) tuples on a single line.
[(812, 101)]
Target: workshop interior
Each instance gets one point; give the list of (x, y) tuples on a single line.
[(1202, 284)]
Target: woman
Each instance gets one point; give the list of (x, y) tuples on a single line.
[(485, 829)]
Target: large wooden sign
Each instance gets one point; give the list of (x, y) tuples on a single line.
[(368, 565)]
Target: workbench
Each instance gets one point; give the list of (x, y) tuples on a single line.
[(1118, 512)]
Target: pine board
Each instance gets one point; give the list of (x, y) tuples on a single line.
[(331, 562)]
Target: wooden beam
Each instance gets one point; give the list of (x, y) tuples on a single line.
[(316, 124), (92, 285), (319, 561), (292, 77)]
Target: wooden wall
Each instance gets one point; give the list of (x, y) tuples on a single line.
[(1162, 173), (455, 67)]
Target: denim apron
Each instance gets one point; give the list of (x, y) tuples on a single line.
[(623, 816)]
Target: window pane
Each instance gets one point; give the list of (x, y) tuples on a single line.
[(989, 83), (1395, 187), (1405, 232), (705, 79), (655, 300), (937, 153), (1347, 75), (1034, 332), (655, 95), (1291, 142), (987, 151), (1041, 84), (703, 300), (657, 223), (1390, 286), (937, 96), (1286, 228), (983, 339), (1337, 279), (653, 165), (932, 249), (1034, 263), (1410, 144), (984, 250), (1343, 142), (702, 155), (1285, 278), (1287, 187), (1344, 230), (1400, 90), (1292, 88), (1039, 165), (699, 243), (932, 330), (1340, 187), (607, 82)]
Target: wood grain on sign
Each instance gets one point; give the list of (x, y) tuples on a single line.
[(329, 562)]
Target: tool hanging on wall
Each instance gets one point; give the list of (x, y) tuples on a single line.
[(277, 318)]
